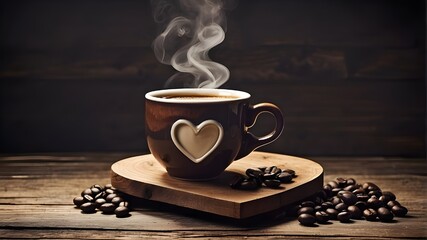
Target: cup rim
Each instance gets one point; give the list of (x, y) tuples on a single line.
[(236, 95)]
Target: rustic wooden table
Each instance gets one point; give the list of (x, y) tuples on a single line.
[(36, 193)]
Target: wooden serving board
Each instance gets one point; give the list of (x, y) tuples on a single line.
[(142, 176)]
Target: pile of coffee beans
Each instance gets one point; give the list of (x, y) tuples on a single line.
[(106, 199), (345, 199), (271, 177)]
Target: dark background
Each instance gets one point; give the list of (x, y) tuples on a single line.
[(349, 75)]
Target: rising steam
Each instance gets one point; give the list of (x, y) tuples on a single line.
[(193, 28)]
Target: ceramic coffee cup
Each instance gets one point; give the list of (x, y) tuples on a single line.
[(197, 133)]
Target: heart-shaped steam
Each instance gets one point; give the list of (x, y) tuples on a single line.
[(196, 142)]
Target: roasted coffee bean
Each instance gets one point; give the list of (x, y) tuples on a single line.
[(361, 205), (268, 176), (97, 186), (290, 171), (237, 182), (362, 197), (272, 183), (308, 210), (87, 191), (355, 212), (399, 211), (88, 207), (335, 200), (248, 184), (308, 204), (351, 181), (321, 217), (78, 201), (254, 172), (348, 198), (99, 202), (328, 190), (326, 205), (110, 197), (385, 199), (333, 184), (390, 204), (332, 212), (340, 193), (100, 195), (341, 182), (390, 195), (95, 191), (343, 217), (107, 208), (341, 207), (109, 186), (384, 214), (284, 177), (318, 208), (110, 191), (375, 193), (370, 214), (335, 191), (121, 212), (350, 188), (117, 200), (358, 191), (374, 202), (124, 204), (89, 198), (368, 186), (306, 219)]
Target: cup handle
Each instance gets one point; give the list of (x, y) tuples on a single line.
[(251, 142)]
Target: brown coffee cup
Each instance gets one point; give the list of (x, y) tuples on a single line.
[(197, 133)]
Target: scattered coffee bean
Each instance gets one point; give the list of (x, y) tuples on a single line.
[(322, 217), (117, 200), (343, 217), (272, 183), (107, 208), (78, 201), (308, 210), (121, 212), (308, 204), (399, 211), (271, 177), (348, 198), (306, 219), (88, 207), (285, 177), (341, 207), (107, 199), (370, 214), (384, 214), (332, 212), (345, 199), (87, 191), (355, 212), (391, 204), (99, 202)]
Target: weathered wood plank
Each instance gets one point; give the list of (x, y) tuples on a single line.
[(42, 206)]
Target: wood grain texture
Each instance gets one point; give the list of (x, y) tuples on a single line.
[(144, 177), (36, 193)]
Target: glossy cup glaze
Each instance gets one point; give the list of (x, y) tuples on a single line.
[(198, 138)]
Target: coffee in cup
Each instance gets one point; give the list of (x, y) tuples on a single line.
[(197, 133)]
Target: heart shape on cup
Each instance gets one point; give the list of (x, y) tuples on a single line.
[(196, 142)]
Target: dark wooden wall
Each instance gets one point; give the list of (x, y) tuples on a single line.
[(349, 75)]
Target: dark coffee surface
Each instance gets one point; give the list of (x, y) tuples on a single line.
[(199, 97)]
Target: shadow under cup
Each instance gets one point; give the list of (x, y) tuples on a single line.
[(197, 133)]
